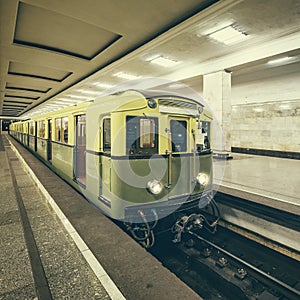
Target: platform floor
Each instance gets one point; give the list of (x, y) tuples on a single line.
[(267, 180), (38, 258), (105, 263)]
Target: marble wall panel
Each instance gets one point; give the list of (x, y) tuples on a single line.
[(269, 126)]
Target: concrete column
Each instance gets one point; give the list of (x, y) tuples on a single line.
[(217, 92)]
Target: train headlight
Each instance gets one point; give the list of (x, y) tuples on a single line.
[(152, 103), (154, 186), (202, 179)]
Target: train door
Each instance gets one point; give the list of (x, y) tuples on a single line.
[(178, 158), (27, 134), (49, 144), (105, 160), (80, 149), (35, 136)]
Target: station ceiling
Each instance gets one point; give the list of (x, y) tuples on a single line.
[(57, 53)]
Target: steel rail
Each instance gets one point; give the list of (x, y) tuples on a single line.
[(273, 279)]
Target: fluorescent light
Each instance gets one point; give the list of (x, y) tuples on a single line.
[(282, 60), (229, 35), (102, 85), (126, 76), (67, 100), (214, 28), (285, 106), (88, 92), (176, 86), (258, 109), (55, 104), (83, 98), (163, 61)]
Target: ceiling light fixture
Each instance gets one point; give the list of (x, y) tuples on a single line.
[(176, 86), (88, 92), (126, 76), (229, 35), (102, 85), (83, 98), (163, 61), (54, 104), (282, 60), (66, 100)]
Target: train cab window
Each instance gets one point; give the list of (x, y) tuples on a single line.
[(202, 136), (106, 135), (141, 135), (179, 136), (147, 131)]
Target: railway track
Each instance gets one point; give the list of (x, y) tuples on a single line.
[(229, 266)]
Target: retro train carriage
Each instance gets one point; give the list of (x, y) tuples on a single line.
[(136, 155)]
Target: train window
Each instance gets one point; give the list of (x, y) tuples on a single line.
[(65, 123), (61, 129), (141, 135), (106, 135), (42, 129), (178, 134)]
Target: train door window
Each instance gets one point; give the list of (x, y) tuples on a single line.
[(106, 135), (58, 129), (179, 136), (80, 130), (41, 129), (141, 135), (65, 123), (80, 153), (31, 128), (49, 151), (50, 129)]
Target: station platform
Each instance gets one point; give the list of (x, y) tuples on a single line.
[(55, 245), (269, 181), (276, 180)]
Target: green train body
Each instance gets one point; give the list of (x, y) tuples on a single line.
[(128, 152)]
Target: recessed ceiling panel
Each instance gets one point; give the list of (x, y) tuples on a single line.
[(11, 96), (14, 105), (34, 71), (24, 88), (48, 30), (11, 101)]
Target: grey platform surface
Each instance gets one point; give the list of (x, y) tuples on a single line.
[(67, 273), (136, 273), (270, 181)]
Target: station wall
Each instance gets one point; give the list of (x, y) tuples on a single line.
[(266, 114)]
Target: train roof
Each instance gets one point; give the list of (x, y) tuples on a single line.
[(149, 93)]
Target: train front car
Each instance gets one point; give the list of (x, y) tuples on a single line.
[(154, 159)]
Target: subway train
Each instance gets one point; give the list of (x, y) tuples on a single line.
[(138, 156)]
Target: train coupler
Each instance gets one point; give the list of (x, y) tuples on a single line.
[(185, 224)]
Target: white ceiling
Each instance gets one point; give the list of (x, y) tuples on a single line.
[(52, 51)]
